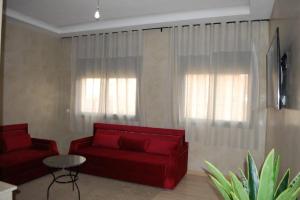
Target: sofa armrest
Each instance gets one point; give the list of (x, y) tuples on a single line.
[(44, 144), (177, 165), (80, 143), (179, 150)]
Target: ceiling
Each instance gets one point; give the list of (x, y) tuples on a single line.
[(73, 16)]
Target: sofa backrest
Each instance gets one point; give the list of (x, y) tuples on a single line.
[(14, 131), (14, 127), (158, 137), (140, 130)]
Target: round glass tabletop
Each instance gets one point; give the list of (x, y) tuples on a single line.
[(64, 161)]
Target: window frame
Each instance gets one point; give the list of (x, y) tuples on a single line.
[(213, 120), (105, 114)]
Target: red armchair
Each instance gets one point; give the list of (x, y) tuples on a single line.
[(151, 156), (21, 156)]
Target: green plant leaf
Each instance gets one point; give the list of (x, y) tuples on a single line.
[(286, 195), (220, 188), (296, 194), (276, 169), (283, 184), (295, 183), (234, 197), (253, 179), (238, 188), (289, 194), (267, 179), (219, 176), (244, 181), (255, 187)]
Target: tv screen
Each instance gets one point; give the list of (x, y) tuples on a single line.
[(274, 74)]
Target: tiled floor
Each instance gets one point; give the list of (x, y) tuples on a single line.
[(96, 188)]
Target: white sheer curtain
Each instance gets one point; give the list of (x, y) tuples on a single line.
[(219, 83), (105, 79)]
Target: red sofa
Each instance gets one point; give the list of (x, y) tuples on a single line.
[(21, 156), (151, 156)]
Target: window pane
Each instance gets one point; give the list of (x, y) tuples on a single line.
[(122, 96), (231, 97), (196, 96), (90, 95)]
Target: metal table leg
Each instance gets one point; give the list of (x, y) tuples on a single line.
[(73, 175), (53, 181)]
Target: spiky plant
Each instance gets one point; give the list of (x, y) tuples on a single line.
[(253, 186)]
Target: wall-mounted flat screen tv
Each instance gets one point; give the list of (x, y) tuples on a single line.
[(274, 73)]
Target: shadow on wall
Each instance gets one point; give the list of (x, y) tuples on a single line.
[(2, 63)]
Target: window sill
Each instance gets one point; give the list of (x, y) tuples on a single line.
[(218, 123)]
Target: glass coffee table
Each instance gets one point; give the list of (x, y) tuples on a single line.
[(69, 164)]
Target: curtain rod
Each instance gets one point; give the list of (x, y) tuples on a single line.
[(164, 27)]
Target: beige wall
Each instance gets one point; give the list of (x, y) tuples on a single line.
[(1, 65), (36, 81), (156, 79), (284, 125)]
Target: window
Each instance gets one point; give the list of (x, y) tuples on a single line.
[(228, 93), (231, 98), (120, 96), (196, 95), (90, 95)]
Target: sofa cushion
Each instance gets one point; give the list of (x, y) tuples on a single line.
[(118, 154), (14, 140), (19, 158), (174, 138), (107, 140), (133, 143), (162, 147)]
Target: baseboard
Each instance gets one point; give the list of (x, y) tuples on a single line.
[(196, 173)]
